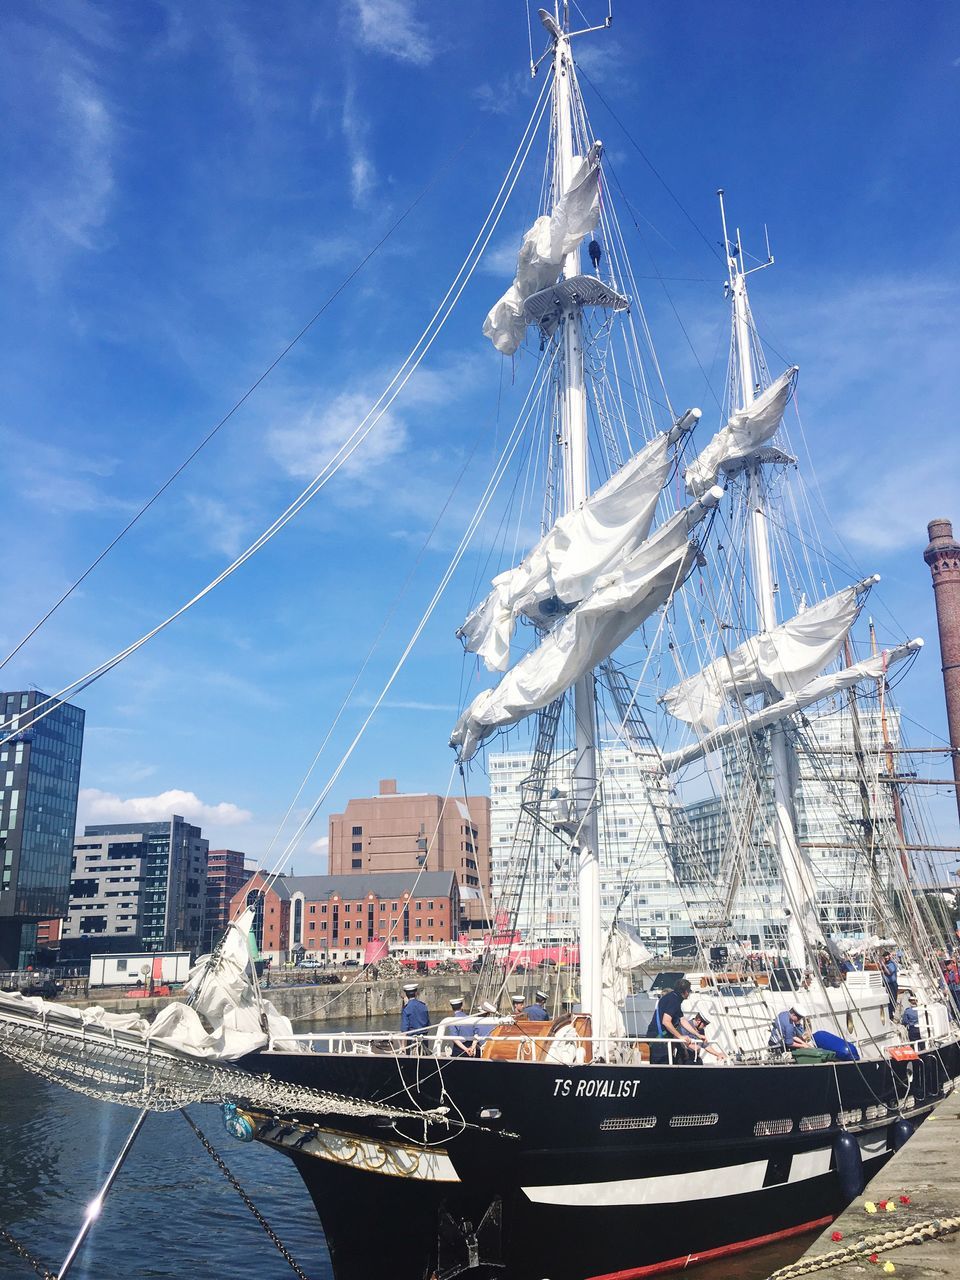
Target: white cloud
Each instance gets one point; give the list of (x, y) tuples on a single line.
[(103, 806), (390, 27), (321, 846), (893, 510), (363, 175), (306, 446)]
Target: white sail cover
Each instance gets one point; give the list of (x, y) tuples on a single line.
[(621, 602), (543, 250), (565, 564), (223, 993), (823, 687), (745, 432), (786, 658)]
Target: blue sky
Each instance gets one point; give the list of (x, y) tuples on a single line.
[(186, 183)]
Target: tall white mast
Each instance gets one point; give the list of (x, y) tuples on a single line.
[(802, 922), (576, 489)]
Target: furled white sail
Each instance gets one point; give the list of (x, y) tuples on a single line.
[(823, 687), (745, 432), (786, 658), (565, 564), (620, 602), (544, 247)]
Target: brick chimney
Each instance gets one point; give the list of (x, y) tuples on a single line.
[(943, 557)]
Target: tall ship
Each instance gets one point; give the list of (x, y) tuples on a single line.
[(679, 605)]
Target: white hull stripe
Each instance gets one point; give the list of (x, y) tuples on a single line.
[(674, 1188)]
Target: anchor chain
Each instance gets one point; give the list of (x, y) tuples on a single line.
[(42, 1271), (222, 1166)]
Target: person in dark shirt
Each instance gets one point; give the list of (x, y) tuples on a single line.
[(665, 1025), (415, 1017), (891, 980), (911, 1019), (537, 1012)]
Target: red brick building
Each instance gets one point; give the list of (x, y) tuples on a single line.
[(335, 917), (225, 878), (396, 831)]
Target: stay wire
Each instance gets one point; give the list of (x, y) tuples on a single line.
[(243, 399)]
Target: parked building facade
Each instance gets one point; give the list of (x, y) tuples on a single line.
[(137, 880), (397, 831), (39, 783), (335, 917)]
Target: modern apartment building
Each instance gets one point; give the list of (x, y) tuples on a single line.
[(335, 917), (39, 782), (637, 877), (145, 880), (664, 887), (409, 831)]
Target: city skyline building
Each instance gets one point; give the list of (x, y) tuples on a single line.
[(163, 884), (397, 831), (671, 891), (39, 784)]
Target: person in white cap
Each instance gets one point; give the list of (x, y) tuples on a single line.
[(537, 1012), (487, 1019), (459, 1031), (911, 1018), (517, 1002), (788, 1031), (695, 1026), (415, 1017)]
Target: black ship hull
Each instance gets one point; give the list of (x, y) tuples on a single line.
[(584, 1172)]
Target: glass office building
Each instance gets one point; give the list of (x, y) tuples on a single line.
[(39, 782)]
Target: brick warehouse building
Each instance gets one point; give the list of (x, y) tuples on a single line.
[(335, 917), (403, 831)]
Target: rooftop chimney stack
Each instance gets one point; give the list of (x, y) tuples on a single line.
[(943, 557)]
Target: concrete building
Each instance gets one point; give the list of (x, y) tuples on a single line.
[(145, 880), (335, 917), (39, 781), (404, 832), (226, 876)]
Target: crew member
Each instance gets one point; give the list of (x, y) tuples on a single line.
[(891, 980), (517, 1003), (487, 1019), (459, 1031), (537, 1012), (789, 1032), (415, 1017), (665, 1025), (695, 1025), (911, 1019)]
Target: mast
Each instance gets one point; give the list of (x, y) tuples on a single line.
[(802, 922), (576, 488)]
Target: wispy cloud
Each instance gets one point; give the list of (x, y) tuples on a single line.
[(103, 806), (61, 480), (305, 446), (363, 175), (68, 186), (391, 27)]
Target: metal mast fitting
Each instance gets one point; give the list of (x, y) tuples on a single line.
[(943, 557)]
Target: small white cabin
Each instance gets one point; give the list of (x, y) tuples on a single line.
[(125, 969)]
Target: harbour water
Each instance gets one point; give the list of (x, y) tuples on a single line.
[(172, 1215)]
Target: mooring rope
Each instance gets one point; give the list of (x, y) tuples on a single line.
[(866, 1245)]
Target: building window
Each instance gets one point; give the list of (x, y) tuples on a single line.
[(358, 831), (357, 846), (356, 864)]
